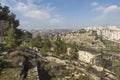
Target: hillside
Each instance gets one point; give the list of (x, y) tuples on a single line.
[(86, 55), (95, 37), (91, 53), (108, 32)]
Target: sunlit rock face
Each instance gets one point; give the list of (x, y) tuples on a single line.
[(86, 57), (108, 32)]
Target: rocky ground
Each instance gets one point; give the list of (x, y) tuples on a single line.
[(53, 68)]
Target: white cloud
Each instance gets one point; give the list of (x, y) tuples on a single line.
[(106, 9), (21, 7), (106, 14), (31, 10), (3, 2), (94, 3), (24, 22), (38, 14), (55, 21), (112, 8), (33, 15)]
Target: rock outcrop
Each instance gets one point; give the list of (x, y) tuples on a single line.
[(107, 32)]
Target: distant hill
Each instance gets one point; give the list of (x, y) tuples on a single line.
[(108, 32), (95, 39), (51, 33)]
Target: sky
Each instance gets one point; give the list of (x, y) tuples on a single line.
[(64, 14)]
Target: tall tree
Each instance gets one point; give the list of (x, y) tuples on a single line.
[(26, 36), (11, 40), (5, 14), (36, 41), (46, 46), (8, 17), (73, 51), (59, 46), (46, 43)]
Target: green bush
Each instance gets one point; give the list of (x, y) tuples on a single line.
[(11, 39), (59, 46)]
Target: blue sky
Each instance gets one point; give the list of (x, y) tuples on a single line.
[(71, 14)]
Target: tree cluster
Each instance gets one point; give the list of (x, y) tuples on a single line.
[(11, 40), (73, 51), (6, 15), (12, 33), (59, 46)]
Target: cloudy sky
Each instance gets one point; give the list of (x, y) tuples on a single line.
[(71, 14)]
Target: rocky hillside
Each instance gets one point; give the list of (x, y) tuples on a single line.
[(108, 32), (83, 63), (84, 38), (95, 37)]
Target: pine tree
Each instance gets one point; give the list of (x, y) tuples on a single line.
[(36, 42), (9, 18), (7, 15), (59, 46), (47, 43), (43, 51), (11, 40), (73, 51)]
